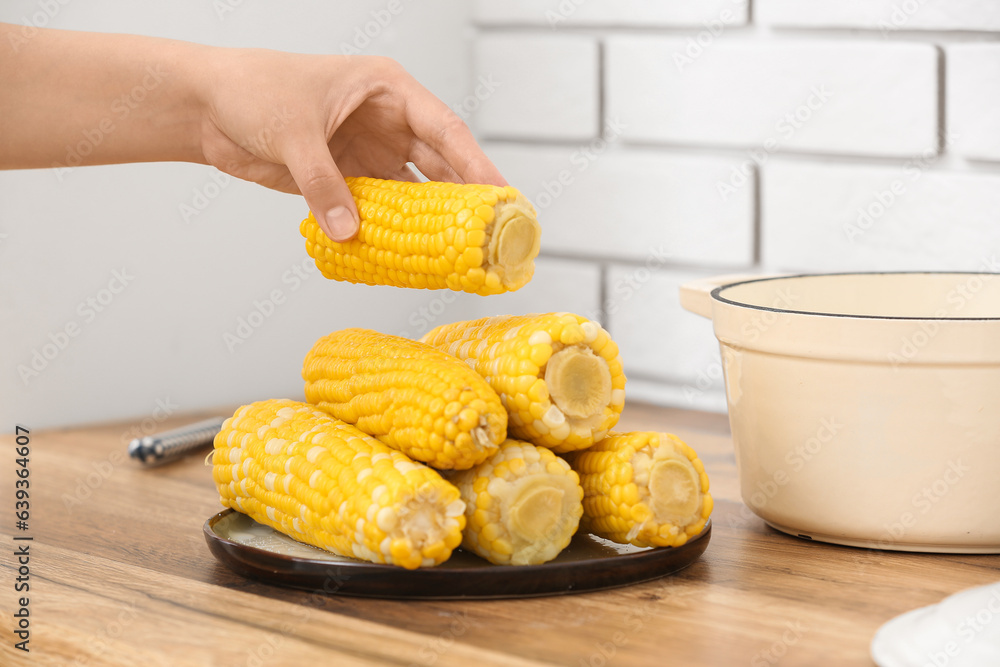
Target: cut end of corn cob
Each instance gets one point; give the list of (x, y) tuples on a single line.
[(647, 489), (513, 242), (559, 375), (411, 396), (481, 239), (673, 487), (579, 381), (523, 505), (321, 481)]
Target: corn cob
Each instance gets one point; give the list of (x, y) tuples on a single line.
[(559, 375), (414, 398), (522, 505), (646, 489), (323, 482), (471, 238)]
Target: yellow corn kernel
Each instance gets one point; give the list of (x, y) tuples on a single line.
[(433, 236), (322, 481), (412, 397), (559, 375), (643, 488)]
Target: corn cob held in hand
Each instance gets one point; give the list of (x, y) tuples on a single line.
[(642, 488), (559, 375), (323, 482), (522, 505), (471, 238), (414, 398)]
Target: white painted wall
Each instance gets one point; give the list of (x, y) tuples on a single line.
[(188, 282)]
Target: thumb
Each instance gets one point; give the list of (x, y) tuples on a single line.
[(321, 183)]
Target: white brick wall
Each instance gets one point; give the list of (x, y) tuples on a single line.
[(826, 96), (660, 343), (556, 101), (823, 217), (973, 99), (560, 13), (558, 285), (883, 15), (600, 198), (806, 135)]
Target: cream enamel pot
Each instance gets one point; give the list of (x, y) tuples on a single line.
[(865, 407)]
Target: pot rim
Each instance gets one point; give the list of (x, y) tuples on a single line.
[(717, 295)]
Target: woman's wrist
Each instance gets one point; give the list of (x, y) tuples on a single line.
[(176, 121)]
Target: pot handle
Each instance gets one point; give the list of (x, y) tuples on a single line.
[(696, 295)]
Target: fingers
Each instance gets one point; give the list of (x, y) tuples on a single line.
[(323, 186), (442, 130)]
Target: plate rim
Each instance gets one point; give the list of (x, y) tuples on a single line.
[(298, 567)]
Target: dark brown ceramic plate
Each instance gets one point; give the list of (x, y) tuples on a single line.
[(589, 563)]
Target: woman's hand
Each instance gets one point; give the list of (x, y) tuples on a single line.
[(296, 123), (300, 123)]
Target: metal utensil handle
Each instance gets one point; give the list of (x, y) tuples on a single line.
[(177, 442)]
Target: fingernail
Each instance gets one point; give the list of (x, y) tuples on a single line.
[(341, 223)]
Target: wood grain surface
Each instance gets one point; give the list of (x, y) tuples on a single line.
[(121, 575)]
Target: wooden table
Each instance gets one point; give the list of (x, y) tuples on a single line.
[(120, 575)]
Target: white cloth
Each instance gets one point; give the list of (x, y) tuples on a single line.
[(963, 630)]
